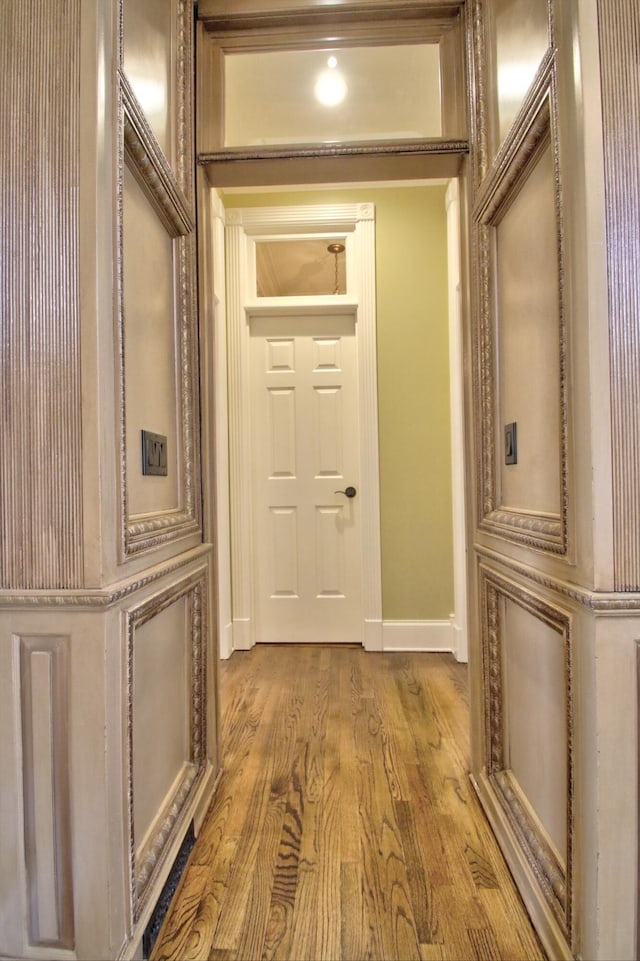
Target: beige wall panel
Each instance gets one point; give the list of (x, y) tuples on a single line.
[(148, 35), (161, 711), (528, 770), (521, 40), (617, 678), (536, 717), (150, 349), (53, 717), (528, 336), (45, 785)]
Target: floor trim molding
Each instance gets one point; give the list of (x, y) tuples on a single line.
[(427, 636)]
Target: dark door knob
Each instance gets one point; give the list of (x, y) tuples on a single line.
[(348, 492)]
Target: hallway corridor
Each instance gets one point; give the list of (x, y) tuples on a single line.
[(344, 825)]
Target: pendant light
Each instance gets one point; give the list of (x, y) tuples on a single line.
[(336, 249)]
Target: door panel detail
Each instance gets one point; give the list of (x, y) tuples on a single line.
[(327, 353), (328, 432), (280, 355), (329, 552), (282, 415), (284, 544)]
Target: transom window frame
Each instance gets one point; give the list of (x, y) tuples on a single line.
[(227, 28)]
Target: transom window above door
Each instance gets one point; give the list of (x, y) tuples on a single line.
[(387, 92), (301, 267), (325, 91)]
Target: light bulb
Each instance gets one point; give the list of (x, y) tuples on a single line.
[(330, 88)]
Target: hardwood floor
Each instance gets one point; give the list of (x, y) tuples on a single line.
[(344, 826)]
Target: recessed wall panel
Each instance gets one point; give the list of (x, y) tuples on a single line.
[(43, 666), (149, 348), (148, 32), (161, 710), (536, 717), (521, 41), (528, 762), (528, 335)]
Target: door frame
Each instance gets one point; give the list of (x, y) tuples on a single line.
[(356, 223)]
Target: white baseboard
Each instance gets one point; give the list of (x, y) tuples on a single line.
[(225, 642), (460, 648), (433, 636), (242, 634), (372, 636)]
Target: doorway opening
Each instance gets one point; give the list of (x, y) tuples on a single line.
[(420, 393)]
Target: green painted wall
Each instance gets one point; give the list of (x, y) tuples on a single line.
[(413, 390)]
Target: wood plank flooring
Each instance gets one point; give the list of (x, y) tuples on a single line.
[(344, 826)]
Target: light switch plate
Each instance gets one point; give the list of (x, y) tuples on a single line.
[(154, 453), (511, 443)]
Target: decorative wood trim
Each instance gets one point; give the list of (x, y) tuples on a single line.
[(294, 36), (44, 703), (477, 84), (260, 220), (538, 128), (185, 161), (371, 149), (41, 491), (368, 403), (223, 18), (154, 174), (229, 28), (239, 428), (619, 28), (554, 875), (100, 599), (145, 868), (519, 148), (456, 395), (171, 195)]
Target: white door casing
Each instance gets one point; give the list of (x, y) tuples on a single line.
[(305, 450), (355, 224)]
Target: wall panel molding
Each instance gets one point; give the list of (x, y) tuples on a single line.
[(44, 707), (153, 172), (619, 24), (537, 130), (552, 869), (171, 194), (601, 602), (145, 863), (41, 530), (99, 598)]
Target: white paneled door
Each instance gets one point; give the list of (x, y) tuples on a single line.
[(305, 452)]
